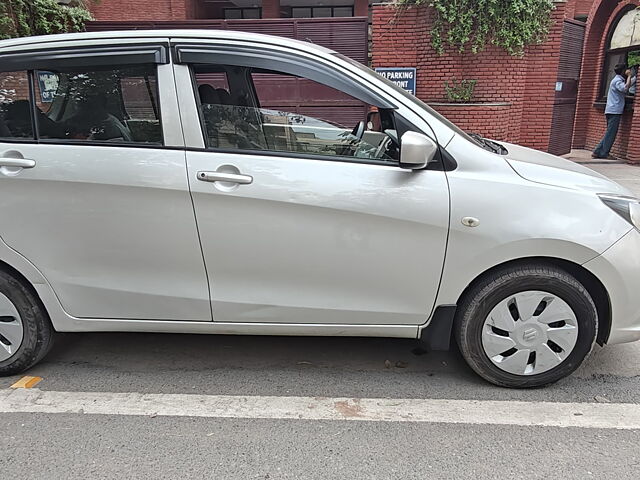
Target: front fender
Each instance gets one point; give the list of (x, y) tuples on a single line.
[(460, 272), (519, 219)]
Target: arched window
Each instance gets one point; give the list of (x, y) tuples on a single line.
[(623, 46)]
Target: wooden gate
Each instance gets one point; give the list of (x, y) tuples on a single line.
[(564, 106)]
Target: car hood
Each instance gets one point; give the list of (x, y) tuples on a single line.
[(541, 167)]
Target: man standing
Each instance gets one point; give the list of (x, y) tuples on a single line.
[(615, 106)]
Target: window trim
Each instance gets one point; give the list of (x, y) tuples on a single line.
[(32, 103), (267, 59), (196, 97), (300, 156), (442, 162), (151, 53), (155, 100)]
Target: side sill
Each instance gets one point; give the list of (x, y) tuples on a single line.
[(63, 322), (228, 328)]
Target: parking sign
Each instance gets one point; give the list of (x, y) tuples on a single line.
[(404, 77), (48, 83)]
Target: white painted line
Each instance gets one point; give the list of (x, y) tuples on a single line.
[(476, 412)]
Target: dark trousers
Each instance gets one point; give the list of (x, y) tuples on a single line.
[(604, 147)]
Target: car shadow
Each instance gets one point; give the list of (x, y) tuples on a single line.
[(293, 366)]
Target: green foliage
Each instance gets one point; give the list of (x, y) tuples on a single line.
[(470, 25), (22, 18), (633, 58), (460, 91)]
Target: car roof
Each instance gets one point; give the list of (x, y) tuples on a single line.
[(208, 34)]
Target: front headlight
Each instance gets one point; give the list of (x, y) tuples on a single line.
[(627, 207)]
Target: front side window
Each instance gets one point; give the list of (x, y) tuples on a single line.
[(15, 107), (117, 105), (247, 108)]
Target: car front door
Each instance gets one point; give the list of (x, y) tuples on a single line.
[(304, 216), (93, 184)]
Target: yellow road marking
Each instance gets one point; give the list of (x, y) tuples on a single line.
[(27, 382)]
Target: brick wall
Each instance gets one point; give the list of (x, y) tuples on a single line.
[(143, 10), (539, 95), (524, 86), (582, 7), (489, 120)]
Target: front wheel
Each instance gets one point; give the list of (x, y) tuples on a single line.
[(526, 326)]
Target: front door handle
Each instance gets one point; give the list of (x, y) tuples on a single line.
[(15, 162), (225, 177)]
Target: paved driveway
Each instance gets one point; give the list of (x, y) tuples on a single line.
[(627, 175)]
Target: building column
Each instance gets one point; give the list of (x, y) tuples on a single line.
[(361, 8), (270, 8)]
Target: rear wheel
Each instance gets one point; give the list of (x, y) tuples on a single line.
[(26, 333), (526, 326)]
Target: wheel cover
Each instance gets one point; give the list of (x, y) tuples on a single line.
[(529, 332), (11, 329)]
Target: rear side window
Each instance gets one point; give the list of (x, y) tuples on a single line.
[(15, 108), (118, 105)]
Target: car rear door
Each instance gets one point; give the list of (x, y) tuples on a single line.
[(93, 182), (300, 221)]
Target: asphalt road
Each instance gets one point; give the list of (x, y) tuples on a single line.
[(74, 445), (83, 445)]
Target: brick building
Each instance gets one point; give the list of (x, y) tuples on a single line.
[(514, 96), (180, 10), (550, 98), (608, 20)]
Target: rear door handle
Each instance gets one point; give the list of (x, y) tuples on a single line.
[(17, 162), (225, 177)]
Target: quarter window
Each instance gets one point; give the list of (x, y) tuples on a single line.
[(117, 105), (15, 107)]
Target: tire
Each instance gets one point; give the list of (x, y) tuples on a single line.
[(482, 320), (37, 331)]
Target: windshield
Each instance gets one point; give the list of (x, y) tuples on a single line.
[(411, 98)]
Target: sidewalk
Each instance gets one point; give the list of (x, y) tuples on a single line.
[(617, 170)]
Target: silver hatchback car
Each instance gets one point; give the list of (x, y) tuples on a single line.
[(232, 183)]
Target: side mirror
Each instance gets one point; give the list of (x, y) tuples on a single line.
[(416, 150)]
